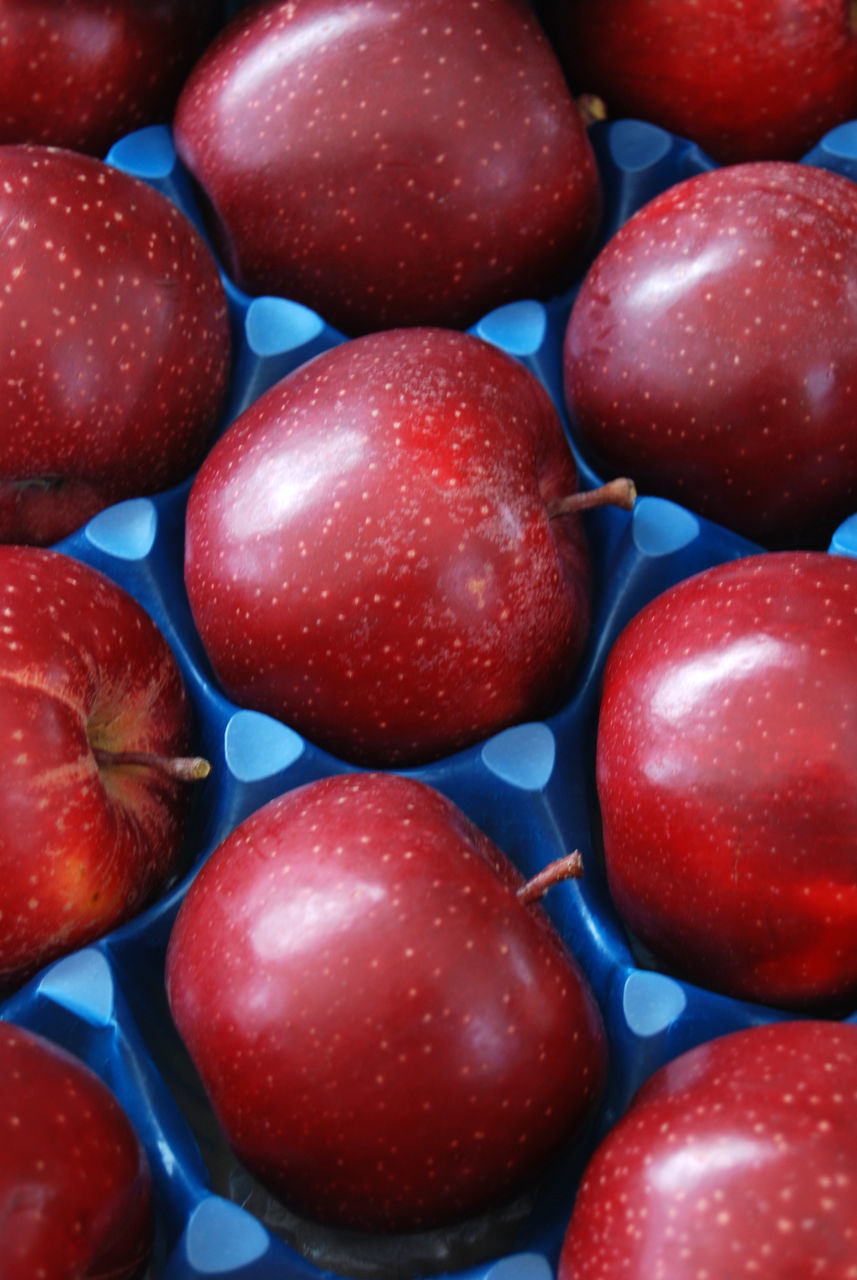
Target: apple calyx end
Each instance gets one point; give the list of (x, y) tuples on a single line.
[(184, 768), (620, 492), (569, 867)]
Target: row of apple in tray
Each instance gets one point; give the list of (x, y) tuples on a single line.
[(529, 788)]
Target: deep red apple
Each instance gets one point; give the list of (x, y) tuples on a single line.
[(712, 350), (115, 358), (391, 1038), (388, 164), (727, 778), (371, 555), (745, 81), (94, 735), (81, 73), (75, 1185), (735, 1159)]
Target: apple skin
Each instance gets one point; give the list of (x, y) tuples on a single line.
[(726, 768), (744, 81), (712, 350), (86, 840), (82, 73), (389, 1037), (390, 166), (75, 1184), (736, 1158), (368, 554), (117, 359)]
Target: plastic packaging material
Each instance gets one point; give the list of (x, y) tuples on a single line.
[(530, 787)]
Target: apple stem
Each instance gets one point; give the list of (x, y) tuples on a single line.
[(185, 768), (569, 867), (591, 108), (620, 492)]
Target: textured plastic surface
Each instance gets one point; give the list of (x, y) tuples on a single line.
[(529, 787)]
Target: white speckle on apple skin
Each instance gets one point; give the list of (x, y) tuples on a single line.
[(727, 777), (734, 1159), (368, 555), (710, 352), (373, 1021), (347, 167), (82, 847), (117, 357)]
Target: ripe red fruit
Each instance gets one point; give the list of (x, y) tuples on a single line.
[(390, 1037), (727, 778), (82, 73), (712, 350), (115, 361), (369, 551), (89, 833), (735, 1159), (744, 81), (75, 1184), (389, 165)]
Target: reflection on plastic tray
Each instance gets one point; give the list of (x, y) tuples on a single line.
[(530, 787)]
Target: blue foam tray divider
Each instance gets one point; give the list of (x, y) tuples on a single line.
[(529, 787)]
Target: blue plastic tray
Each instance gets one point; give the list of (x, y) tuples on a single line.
[(530, 787)]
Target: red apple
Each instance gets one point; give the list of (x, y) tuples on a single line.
[(712, 350), (727, 778), (391, 1038), (735, 1159), (81, 73), (75, 1185), (115, 358), (94, 734), (389, 165), (744, 81), (370, 553)]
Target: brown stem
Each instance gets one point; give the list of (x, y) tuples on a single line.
[(621, 492), (569, 867), (185, 768), (592, 109)]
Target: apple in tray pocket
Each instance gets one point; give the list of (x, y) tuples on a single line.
[(377, 550), (75, 1185), (82, 73), (744, 81), (389, 164), (116, 350), (392, 1035), (735, 1159), (727, 779), (95, 729), (712, 350)]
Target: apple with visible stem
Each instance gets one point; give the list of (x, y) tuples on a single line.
[(726, 771), (744, 81), (392, 1034), (712, 350), (737, 1158), (95, 731), (376, 550), (75, 1184), (116, 351), (82, 73), (390, 165)]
